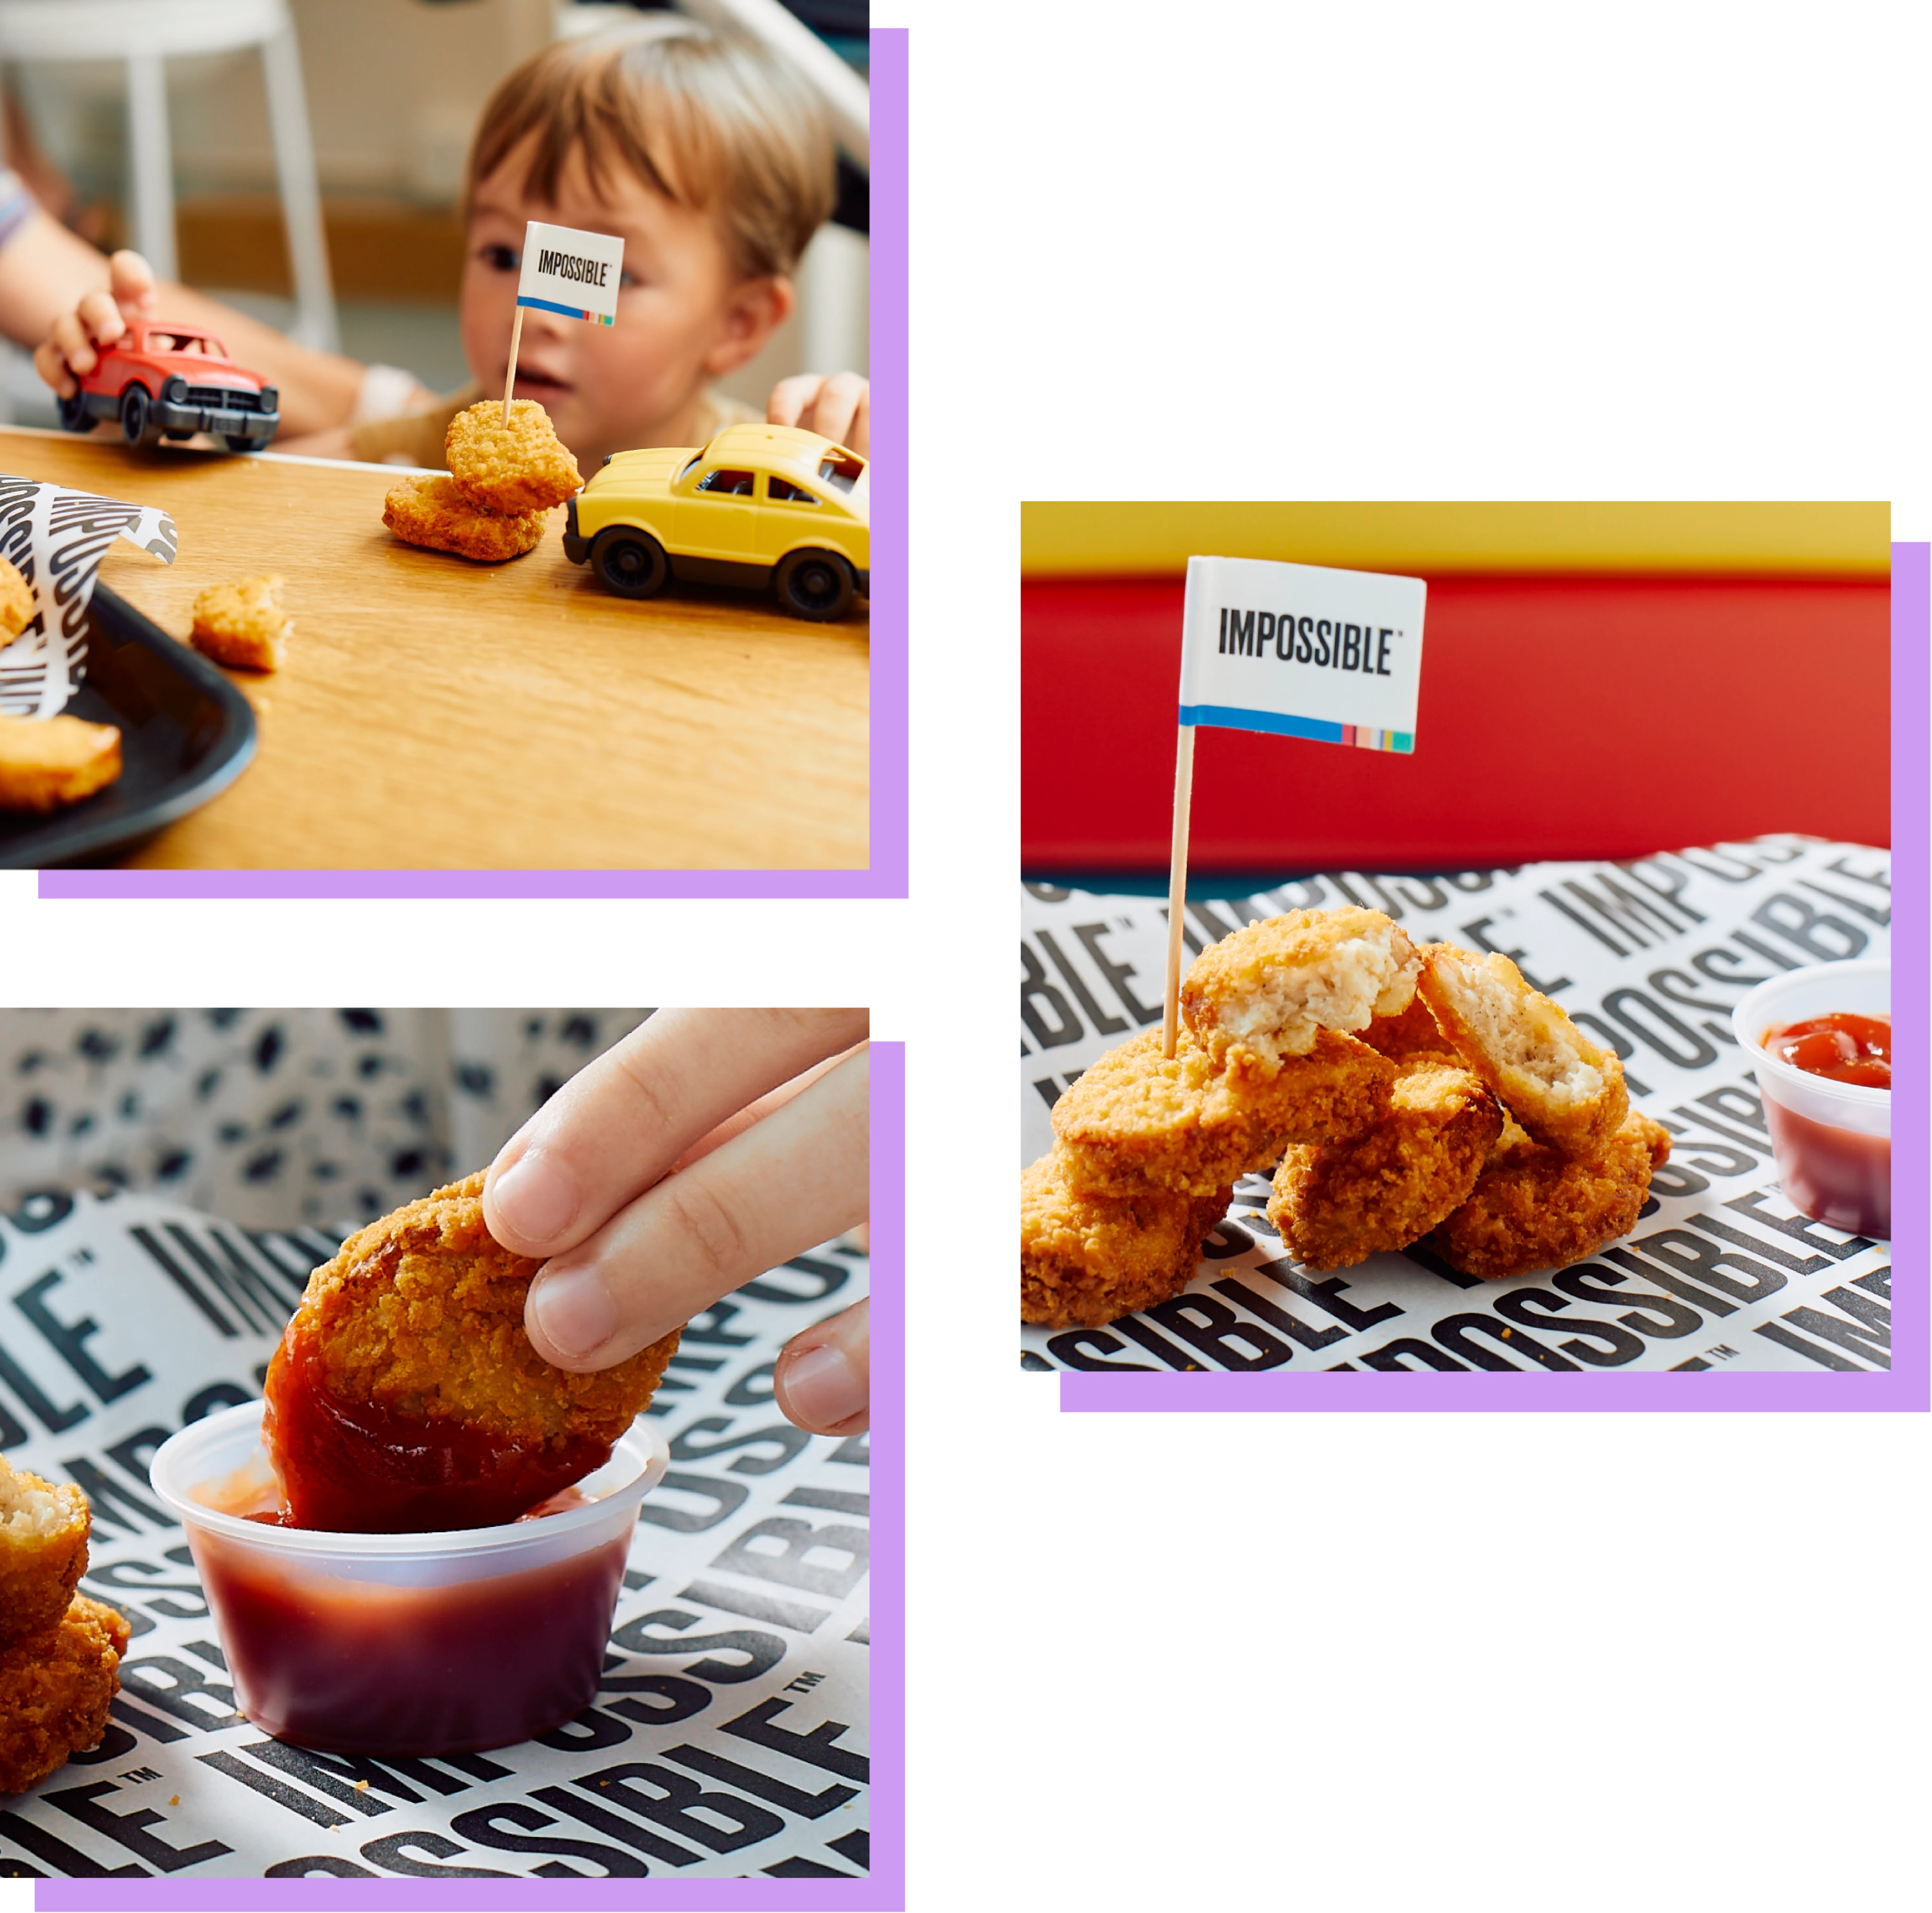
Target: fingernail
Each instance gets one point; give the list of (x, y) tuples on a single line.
[(574, 1310), (535, 1197), (822, 1388)]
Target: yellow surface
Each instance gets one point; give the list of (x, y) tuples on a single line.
[(1116, 540)]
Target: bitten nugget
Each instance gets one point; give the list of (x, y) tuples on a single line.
[(1412, 1032), (1136, 1116), (55, 1687), (43, 1529), (522, 466), (1565, 1090), (16, 601), (432, 512), (47, 762), (243, 624), (1534, 1208), (1262, 994), (1087, 1259), (1339, 1204)]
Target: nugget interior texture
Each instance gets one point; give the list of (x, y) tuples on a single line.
[(433, 511), (522, 466), (422, 1313), (1410, 1032), (1263, 992), (1136, 1116), (43, 1528), (243, 624), (1534, 1207), (1339, 1204), (1565, 1090), (47, 762), (55, 1688), (1087, 1259), (16, 601)]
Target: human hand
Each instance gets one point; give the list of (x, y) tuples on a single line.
[(704, 1149), (838, 408), (71, 350)]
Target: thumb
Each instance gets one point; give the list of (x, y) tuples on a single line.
[(823, 1378), (131, 280)]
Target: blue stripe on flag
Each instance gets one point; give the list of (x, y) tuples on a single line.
[(1234, 717), (568, 311)]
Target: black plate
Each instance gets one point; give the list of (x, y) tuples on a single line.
[(186, 733)]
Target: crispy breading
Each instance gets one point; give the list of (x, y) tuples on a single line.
[(421, 1313), (16, 601), (433, 511), (1137, 1117), (1087, 1259), (1262, 992), (243, 624), (1339, 1204), (1566, 1091), (1533, 1208), (55, 1687), (44, 1530), (1410, 1032), (47, 762), (522, 466)]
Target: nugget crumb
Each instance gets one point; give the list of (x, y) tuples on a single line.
[(243, 624), (47, 762)]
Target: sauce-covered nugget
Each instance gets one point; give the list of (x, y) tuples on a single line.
[(55, 1688), (43, 1529), (433, 511), (522, 466), (47, 762), (243, 624)]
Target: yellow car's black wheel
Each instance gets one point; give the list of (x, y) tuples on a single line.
[(816, 584), (631, 563)]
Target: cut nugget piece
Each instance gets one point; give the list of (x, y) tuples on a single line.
[(1565, 1090), (243, 624), (43, 1529), (47, 762), (1088, 1259), (1339, 1204), (1534, 1207), (405, 1395), (522, 466), (16, 601), (433, 511), (1136, 1117), (1411, 1032), (1262, 993), (55, 1687)]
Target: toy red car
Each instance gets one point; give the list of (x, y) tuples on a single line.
[(171, 382)]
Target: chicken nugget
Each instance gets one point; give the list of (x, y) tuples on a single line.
[(1533, 1208), (43, 1529), (1088, 1259), (16, 601), (1338, 1203), (1411, 1032), (1565, 1090), (55, 1687), (522, 466), (47, 762), (243, 624), (1136, 1117), (1261, 995), (433, 512), (405, 1394)]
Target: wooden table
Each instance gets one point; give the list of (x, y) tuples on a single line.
[(438, 714)]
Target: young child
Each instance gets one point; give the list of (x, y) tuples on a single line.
[(713, 163)]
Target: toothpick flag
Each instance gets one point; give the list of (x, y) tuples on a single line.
[(567, 271)]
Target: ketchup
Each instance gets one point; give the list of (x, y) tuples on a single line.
[(1841, 1048)]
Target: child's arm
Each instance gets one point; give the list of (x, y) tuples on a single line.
[(838, 408)]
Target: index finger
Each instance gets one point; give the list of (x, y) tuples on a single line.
[(789, 398), (101, 317), (618, 1125)]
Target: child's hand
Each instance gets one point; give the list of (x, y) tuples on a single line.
[(70, 351), (839, 408)]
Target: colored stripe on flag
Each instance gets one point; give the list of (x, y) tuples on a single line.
[(1235, 717), (568, 311)]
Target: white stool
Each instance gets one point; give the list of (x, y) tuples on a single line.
[(143, 33)]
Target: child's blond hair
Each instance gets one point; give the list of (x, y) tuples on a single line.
[(710, 120)]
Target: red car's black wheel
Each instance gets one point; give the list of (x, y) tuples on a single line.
[(632, 564), (138, 425), (74, 415), (816, 584)]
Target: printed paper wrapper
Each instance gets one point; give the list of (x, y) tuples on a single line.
[(1649, 957), (728, 1737), (56, 538)]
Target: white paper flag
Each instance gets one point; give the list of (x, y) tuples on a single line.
[(570, 272)]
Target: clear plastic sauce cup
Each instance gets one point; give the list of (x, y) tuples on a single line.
[(1832, 1141), (405, 1644)]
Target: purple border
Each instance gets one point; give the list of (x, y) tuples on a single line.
[(1904, 1386), (886, 874), (883, 1888)]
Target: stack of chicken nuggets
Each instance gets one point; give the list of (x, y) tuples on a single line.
[(1470, 1112), (502, 480), (60, 1652)]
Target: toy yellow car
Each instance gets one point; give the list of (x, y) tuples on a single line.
[(759, 505)]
